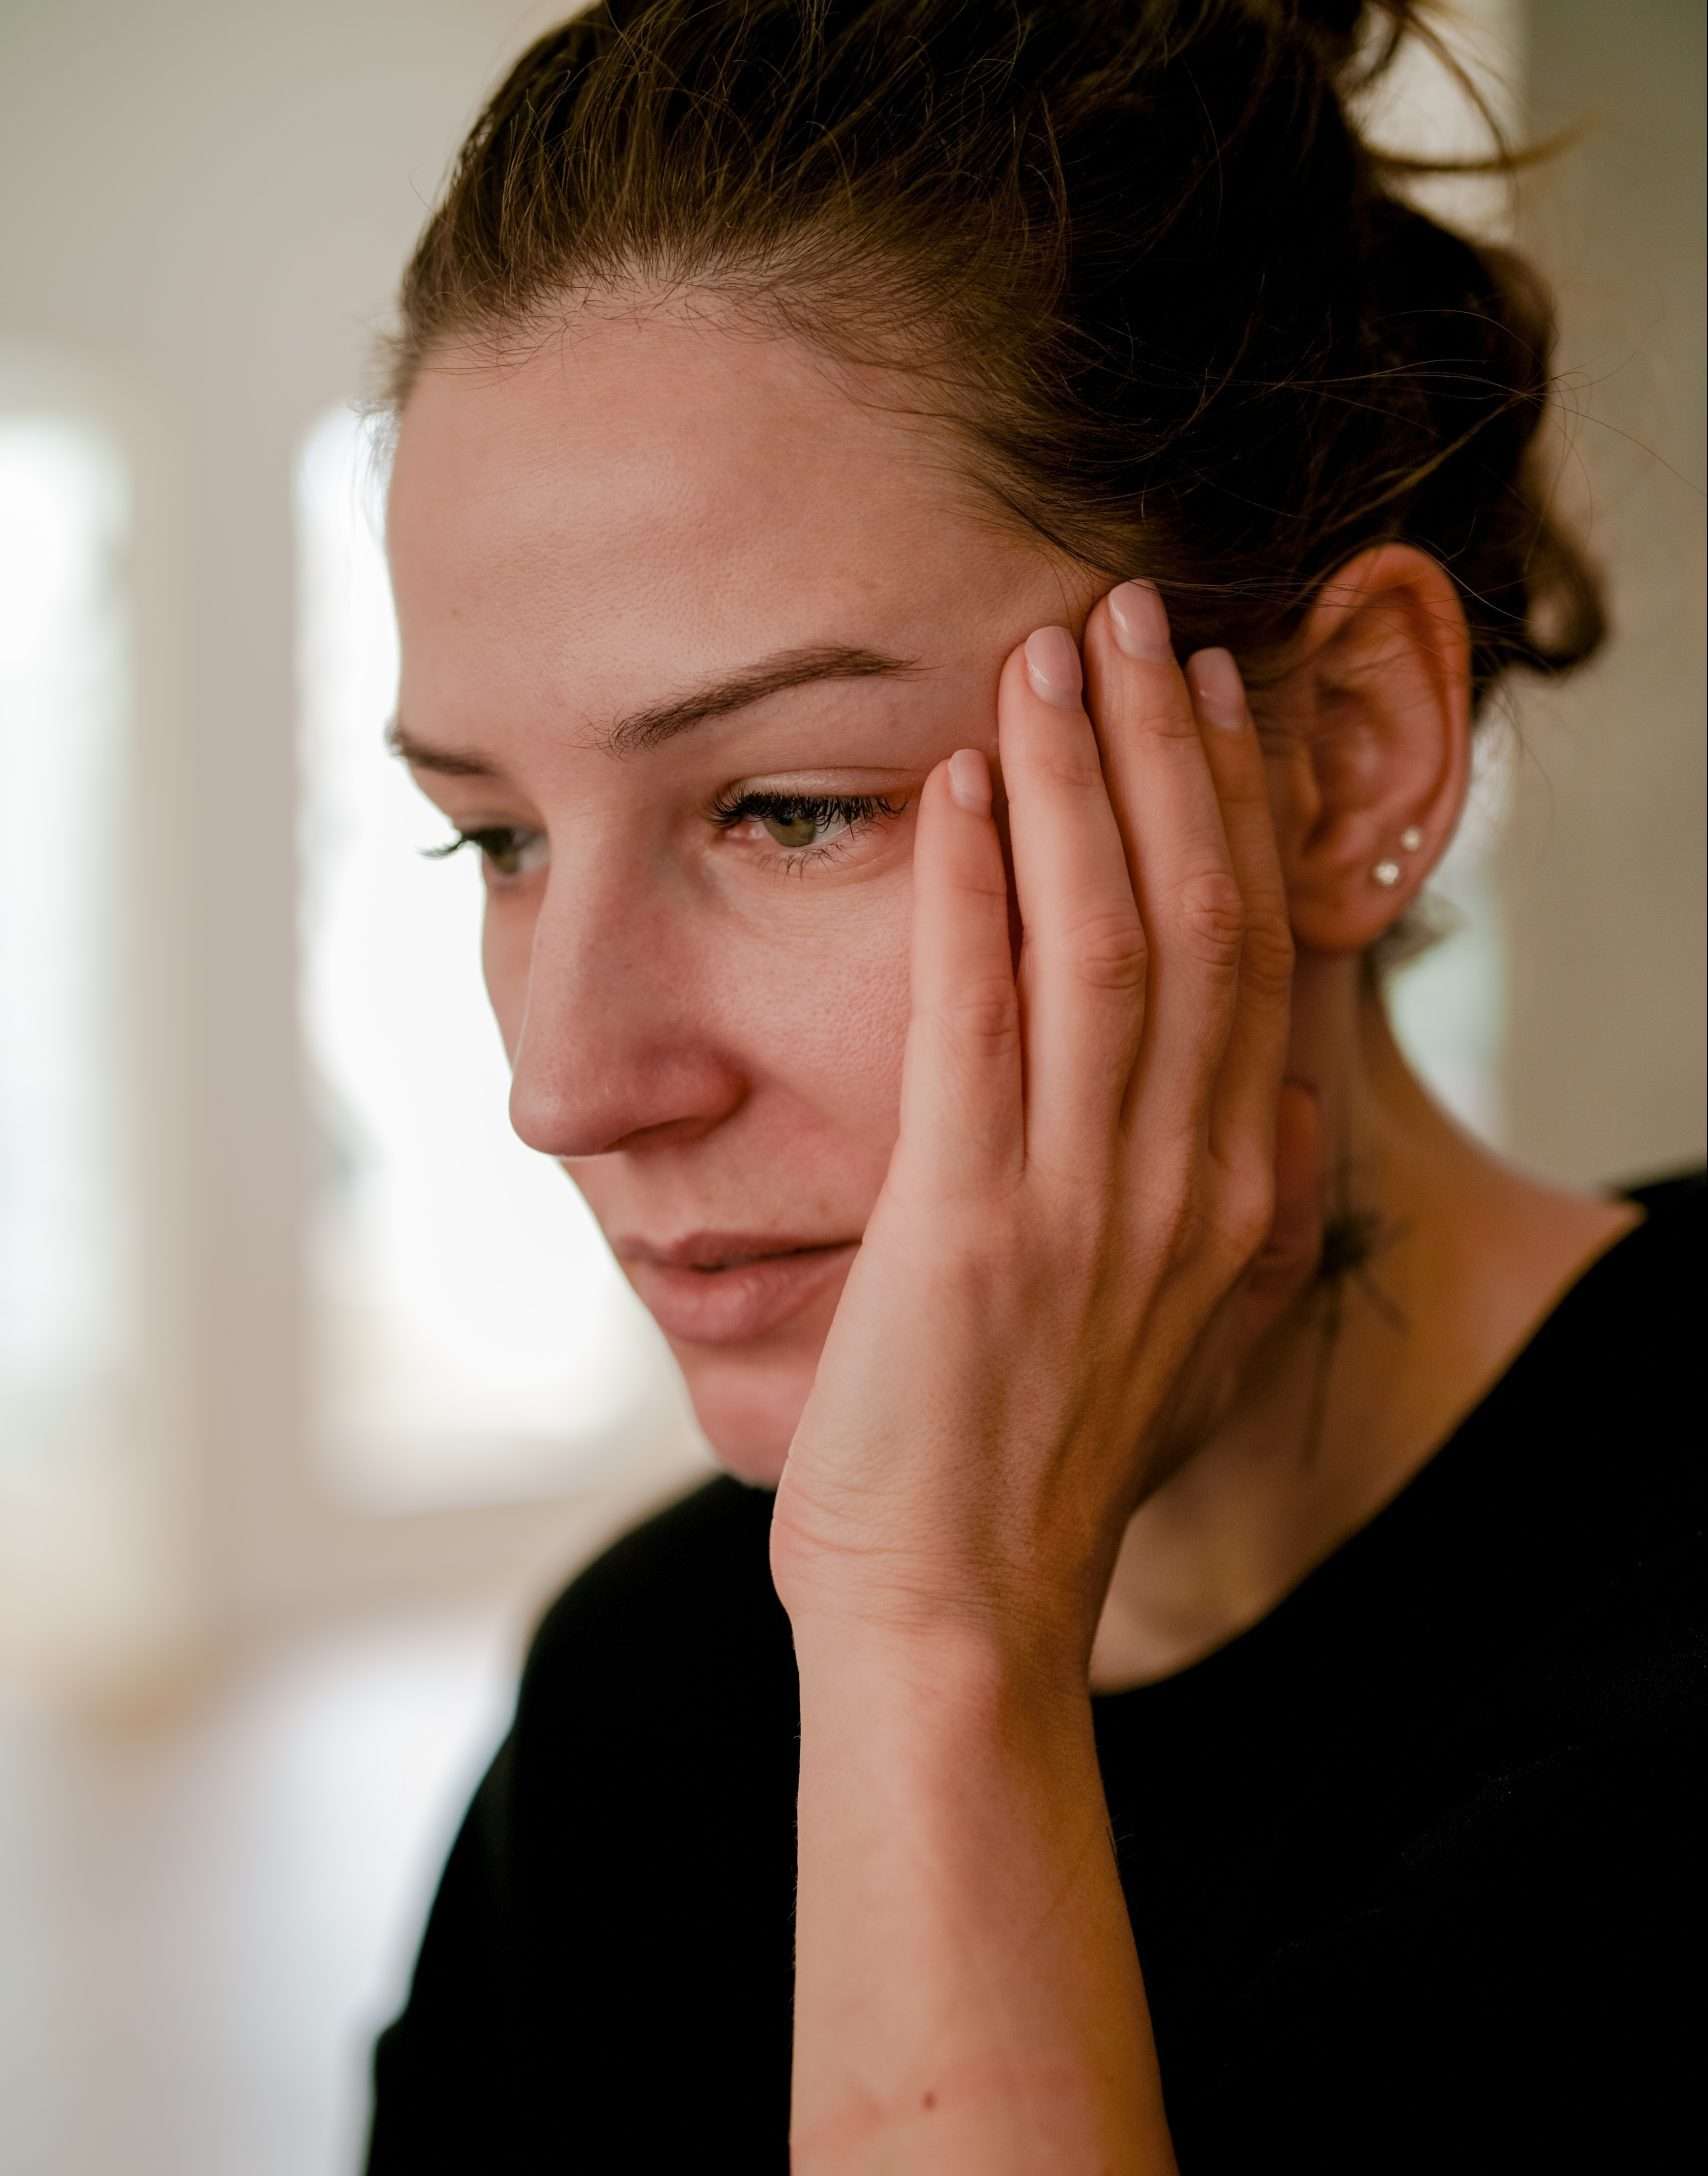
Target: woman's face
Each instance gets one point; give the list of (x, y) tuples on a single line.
[(705, 1021)]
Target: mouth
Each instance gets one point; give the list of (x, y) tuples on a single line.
[(711, 1250), (740, 1261), (733, 1300)]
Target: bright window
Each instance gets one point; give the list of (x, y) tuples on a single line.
[(66, 1320)]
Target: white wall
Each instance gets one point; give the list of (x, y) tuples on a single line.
[(1603, 877)]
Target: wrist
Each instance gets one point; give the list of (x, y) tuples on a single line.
[(959, 1666)]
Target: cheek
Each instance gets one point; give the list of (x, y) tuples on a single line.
[(828, 1021), (851, 1043)]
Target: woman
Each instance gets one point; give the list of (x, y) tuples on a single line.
[(1193, 1660)]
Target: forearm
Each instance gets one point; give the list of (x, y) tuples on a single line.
[(967, 1992)]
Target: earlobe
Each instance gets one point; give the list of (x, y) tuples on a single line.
[(1379, 701)]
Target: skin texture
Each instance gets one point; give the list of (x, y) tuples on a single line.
[(702, 1039)]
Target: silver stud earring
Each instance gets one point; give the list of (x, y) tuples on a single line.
[(1388, 872)]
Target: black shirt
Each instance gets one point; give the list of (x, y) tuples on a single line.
[(1413, 1863)]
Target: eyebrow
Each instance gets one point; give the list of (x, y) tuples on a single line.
[(641, 731)]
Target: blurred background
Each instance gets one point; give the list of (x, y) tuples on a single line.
[(292, 1452)]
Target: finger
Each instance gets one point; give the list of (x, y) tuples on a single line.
[(1243, 1105), (1289, 1256), (961, 1131), (1082, 967), (1170, 818)]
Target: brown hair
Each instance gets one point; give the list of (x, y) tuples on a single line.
[(1176, 322), (1133, 255)]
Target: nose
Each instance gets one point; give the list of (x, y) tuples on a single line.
[(612, 1043)]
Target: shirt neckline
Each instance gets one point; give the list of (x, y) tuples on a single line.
[(1357, 1556)]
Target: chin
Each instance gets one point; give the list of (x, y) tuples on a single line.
[(748, 1414), (757, 1468)]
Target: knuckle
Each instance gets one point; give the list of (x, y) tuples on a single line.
[(1213, 919), (1109, 951), (982, 1016), (1248, 1215), (1064, 1245), (1068, 762), (1176, 1214), (966, 1248), (1171, 716), (982, 884), (1269, 955)]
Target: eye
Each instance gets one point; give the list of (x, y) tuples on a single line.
[(799, 813), (503, 848), (500, 847)]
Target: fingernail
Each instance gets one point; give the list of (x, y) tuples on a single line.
[(969, 780), (1052, 665), (1140, 620), (1217, 688)]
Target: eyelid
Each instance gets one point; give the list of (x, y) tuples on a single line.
[(860, 812), (859, 815)]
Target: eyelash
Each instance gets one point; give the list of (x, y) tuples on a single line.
[(857, 811)]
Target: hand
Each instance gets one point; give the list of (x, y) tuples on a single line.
[(1066, 1265)]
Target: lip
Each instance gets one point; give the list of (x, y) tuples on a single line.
[(729, 1306), (710, 1245)]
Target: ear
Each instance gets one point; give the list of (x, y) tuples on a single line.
[(1375, 714)]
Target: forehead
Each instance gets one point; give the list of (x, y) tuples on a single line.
[(643, 480)]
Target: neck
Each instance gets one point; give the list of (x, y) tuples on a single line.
[(1365, 1380)]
